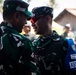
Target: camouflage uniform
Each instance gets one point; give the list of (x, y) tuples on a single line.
[(50, 53), (15, 52)]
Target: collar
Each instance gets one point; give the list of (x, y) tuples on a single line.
[(8, 26), (54, 36)]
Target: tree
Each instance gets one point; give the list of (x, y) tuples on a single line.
[(53, 3), (1, 5), (1, 1)]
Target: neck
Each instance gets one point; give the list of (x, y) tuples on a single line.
[(47, 32)]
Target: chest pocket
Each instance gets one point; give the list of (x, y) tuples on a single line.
[(52, 51)]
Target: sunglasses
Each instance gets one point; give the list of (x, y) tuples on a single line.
[(34, 19)]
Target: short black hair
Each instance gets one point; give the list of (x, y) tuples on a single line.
[(7, 15)]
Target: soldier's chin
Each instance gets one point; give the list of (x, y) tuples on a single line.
[(19, 31), (36, 32)]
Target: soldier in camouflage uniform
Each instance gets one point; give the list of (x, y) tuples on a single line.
[(50, 48), (15, 50)]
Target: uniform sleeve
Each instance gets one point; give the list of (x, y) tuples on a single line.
[(14, 48)]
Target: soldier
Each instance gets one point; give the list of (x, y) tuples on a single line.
[(15, 49), (50, 48), (27, 31), (68, 34)]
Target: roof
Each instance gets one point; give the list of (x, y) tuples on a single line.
[(72, 11), (69, 10)]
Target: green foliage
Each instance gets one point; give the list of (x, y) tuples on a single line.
[(53, 3), (1, 5), (0, 1)]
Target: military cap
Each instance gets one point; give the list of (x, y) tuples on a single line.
[(38, 12), (42, 11), (16, 5)]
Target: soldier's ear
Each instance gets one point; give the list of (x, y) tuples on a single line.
[(48, 17), (16, 16)]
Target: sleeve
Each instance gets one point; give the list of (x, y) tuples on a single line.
[(14, 48), (26, 59)]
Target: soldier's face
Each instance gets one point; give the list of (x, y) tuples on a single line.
[(67, 29), (40, 26), (26, 29), (20, 21)]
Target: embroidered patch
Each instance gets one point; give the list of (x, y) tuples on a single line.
[(72, 64)]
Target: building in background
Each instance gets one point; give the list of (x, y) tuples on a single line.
[(68, 34), (68, 15)]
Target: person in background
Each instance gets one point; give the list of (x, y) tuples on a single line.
[(68, 32), (27, 31), (15, 49), (50, 48)]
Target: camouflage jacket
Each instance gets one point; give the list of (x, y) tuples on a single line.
[(50, 53), (15, 52)]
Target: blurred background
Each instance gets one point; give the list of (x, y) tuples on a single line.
[(64, 12)]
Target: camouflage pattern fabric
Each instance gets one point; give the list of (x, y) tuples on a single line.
[(15, 52), (50, 53)]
